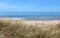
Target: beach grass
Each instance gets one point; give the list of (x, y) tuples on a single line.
[(8, 29)]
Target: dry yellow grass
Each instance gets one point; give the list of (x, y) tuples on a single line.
[(8, 29)]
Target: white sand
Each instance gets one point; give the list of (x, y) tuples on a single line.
[(43, 23)]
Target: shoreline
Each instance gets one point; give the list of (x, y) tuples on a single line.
[(32, 22)]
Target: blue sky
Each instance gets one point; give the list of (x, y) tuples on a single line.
[(29, 6)]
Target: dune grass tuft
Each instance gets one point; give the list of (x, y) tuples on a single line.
[(8, 29)]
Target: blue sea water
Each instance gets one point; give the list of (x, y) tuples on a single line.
[(35, 15)]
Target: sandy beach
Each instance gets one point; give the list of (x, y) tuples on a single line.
[(42, 23)]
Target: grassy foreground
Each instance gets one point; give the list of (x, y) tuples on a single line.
[(8, 29)]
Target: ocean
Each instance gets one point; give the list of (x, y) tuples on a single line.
[(35, 17)]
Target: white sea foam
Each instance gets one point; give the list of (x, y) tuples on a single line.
[(11, 18)]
